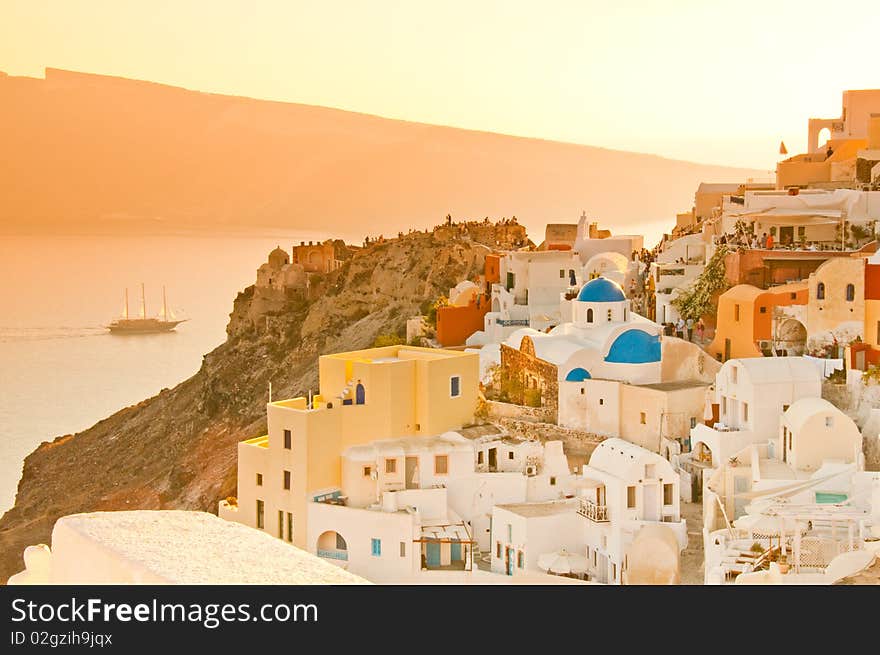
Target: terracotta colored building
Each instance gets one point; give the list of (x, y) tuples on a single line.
[(315, 258), (745, 321), (456, 323)]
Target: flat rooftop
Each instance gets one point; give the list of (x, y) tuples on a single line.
[(675, 385), (549, 508)]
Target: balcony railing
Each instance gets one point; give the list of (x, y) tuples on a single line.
[(511, 322), (333, 554), (591, 510)]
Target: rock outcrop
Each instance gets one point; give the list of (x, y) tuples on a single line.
[(177, 450)]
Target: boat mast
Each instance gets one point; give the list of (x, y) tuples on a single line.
[(164, 305), (126, 303), (143, 302)]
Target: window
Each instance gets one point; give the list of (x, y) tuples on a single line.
[(745, 411), (376, 547), (643, 419), (590, 315), (261, 508), (601, 401), (510, 454), (455, 386), (441, 464), (609, 315), (820, 291), (391, 466), (403, 549), (667, 494), (520, 560), (480, 457), (280, 524), (630, 497), (724, 405), (763, 310), (289, 527), (736, 312), (829, 421), (582, 391), (850, 292), (792, 296), (773, 231), (497, 549), (802, 232), (785, 408), (368, 471), (693, 422), (614, 571), (287, 439), (562, 272), (552, 481), (509, 533), (287, 480), (259, 479), (733, 373)]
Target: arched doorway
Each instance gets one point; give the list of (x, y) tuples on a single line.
[(360, 394), (791, 338), (331, 545)]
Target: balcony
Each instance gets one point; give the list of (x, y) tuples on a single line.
[(334, 554), (591, 510), (513, 322)]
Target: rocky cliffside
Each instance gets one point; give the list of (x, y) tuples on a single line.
[(177, 450)]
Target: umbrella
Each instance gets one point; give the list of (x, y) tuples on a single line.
[(562, 562)]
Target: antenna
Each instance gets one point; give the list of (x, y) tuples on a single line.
[(126, 302), (164, 305), (143, 302), (270, 392)]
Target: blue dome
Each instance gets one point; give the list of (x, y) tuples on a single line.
[(601, 289), (634, 347), (578, 375)]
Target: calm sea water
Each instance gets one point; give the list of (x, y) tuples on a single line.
[(61, 371)]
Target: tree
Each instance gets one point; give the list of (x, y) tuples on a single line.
[(699, 299)]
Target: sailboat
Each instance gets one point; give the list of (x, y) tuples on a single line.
[(142, 324)]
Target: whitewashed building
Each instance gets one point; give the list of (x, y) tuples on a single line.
[(624, 488)]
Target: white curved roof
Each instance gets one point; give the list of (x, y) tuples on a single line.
[(617, 456), (515, 338), (556, 350), (777, 369), (802, 410)]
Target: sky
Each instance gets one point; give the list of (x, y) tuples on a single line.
[(714, 82)]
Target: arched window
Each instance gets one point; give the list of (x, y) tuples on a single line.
[(590, 315), (359, 394), (850, 292), (820, 291)]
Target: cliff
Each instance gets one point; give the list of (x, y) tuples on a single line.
[(86, 154), (177, 450)]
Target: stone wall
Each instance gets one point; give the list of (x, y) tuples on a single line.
[(525, 377)]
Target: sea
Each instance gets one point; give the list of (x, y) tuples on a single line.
[(61, 371)]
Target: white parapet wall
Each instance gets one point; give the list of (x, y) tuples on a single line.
[(169, 547)]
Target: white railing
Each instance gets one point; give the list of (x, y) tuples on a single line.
[(591, 510)]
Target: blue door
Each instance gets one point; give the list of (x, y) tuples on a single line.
[(359, 394), (456, 551), (433, 554)]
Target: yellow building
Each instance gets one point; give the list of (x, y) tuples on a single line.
[(366, 395)]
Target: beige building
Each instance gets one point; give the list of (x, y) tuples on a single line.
[(836, 305), (367, 395), (813, 431)]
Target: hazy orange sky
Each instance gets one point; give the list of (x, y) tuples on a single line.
[(717, 82)]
